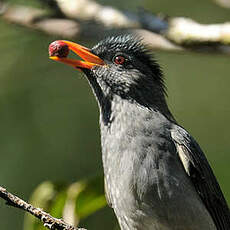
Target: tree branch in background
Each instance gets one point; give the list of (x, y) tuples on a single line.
[(48, 221), (223, 3), (90, 20)]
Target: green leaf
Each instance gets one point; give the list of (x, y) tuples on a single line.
[(71, 203), (47, 196), (91, 198)]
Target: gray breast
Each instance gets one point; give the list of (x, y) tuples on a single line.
[(145, 180)]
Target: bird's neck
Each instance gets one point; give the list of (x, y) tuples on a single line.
[(153, 99), (112, 105)]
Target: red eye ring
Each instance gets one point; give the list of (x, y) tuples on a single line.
[(119, 60)]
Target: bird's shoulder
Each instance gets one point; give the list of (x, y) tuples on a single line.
[(199, 171)]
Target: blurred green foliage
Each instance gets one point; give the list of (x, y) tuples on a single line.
[(72, 202), (49, 117)]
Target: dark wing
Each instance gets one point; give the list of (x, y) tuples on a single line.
[(202, 177)]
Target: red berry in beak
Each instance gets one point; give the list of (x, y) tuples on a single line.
[(59, 49)]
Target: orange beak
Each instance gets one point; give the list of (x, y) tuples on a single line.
[(89, 59)]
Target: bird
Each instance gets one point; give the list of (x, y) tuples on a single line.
[(156, 175)]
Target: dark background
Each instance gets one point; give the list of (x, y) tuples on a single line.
[(49, 117)]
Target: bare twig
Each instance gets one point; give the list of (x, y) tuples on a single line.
[(38, 19), (175, 34), (223, 3), (48, 221), (186, 31), (92, 10), (182, 31)]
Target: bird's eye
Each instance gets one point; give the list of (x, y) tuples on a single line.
[(119, 60)]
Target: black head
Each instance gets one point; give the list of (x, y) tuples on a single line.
[(122, 67), (129, 71)]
